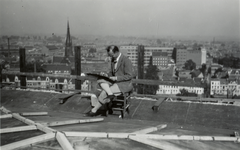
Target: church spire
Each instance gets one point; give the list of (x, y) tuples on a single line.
[(68, 44)]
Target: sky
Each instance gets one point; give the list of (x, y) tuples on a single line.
[(159, 18)]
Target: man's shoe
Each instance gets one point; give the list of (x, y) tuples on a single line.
[(91, 114)]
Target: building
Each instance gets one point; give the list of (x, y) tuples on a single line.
[(58, 69), (234, 73), (89, 46), (68, 44), (132, 52), (175, 89), (160, 59), (46, 84), (197, 56), (225, 87)]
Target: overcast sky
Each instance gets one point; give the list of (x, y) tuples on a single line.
[(121, 17)]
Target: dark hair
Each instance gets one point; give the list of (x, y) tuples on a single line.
[(113, 48)]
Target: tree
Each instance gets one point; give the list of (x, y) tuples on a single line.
[(189, 65), (174, 54), (203, 69), (151, 73), (184, 92)]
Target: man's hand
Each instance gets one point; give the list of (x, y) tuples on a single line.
[(113, 78), (104, 74)]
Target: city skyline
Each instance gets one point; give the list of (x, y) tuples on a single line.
[(157, 18)]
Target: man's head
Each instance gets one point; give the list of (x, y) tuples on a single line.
[(113, 51)]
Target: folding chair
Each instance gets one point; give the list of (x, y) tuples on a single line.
[(120, 103)]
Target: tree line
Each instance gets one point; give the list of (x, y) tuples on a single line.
[(228, 61)]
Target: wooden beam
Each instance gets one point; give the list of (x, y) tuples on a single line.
[(18, 129), (33, 113), (30, 122), (5, 116), (6, 111), (63, 141), (23, 119), (152, 136), (156, 144), (151, 129), (91, 120), (185, 137), (44, 128), (146, 130), (60, 123), (88, 134), (29, 141), (118, 135)]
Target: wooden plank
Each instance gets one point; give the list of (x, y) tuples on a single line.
[(27, 142), (156, 144), (146, 130), (184, 137), (44, 128), (203, 138), (34, 113), (63, 141), (60, 123), (5, 116), (88, 134), (151, 129), (23, 119), (155, 136), (118, 135), (28, 121), (151, 136), (157, 104), (6, 111), (224, 138), (161, 126), (91, 120), (18, 129)]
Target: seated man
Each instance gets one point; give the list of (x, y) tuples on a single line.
[(121, 74)]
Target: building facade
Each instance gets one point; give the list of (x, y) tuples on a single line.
[(132, 52), (46, 84), (175, 89), (225, 87), (160, 59), (197, 56)]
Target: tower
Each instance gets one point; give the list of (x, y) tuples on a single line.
[(68, 44)]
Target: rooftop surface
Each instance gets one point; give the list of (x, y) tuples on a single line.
[(181, 118)]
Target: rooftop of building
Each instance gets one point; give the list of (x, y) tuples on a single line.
[(180, 118)]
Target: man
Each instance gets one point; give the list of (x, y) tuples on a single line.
[(120, 76)]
